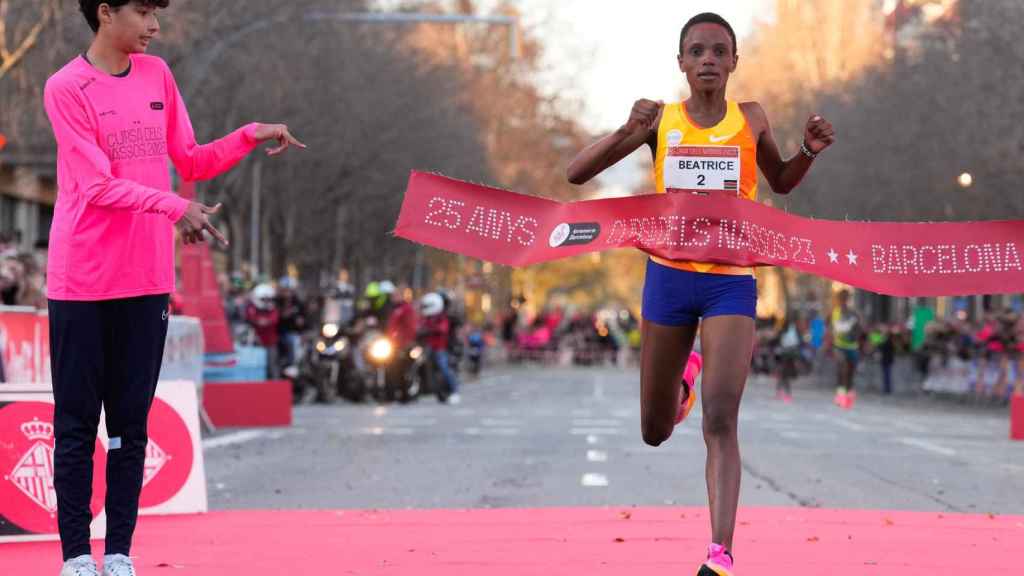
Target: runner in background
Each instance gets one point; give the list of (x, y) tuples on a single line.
[(705, 145), (846, 336), (788, 350)]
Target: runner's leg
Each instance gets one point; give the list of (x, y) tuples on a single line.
[(664, 351), (727, 343)]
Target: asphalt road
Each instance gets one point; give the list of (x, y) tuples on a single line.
[(538, 437)]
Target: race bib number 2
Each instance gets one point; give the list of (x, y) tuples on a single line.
[(703, 169)]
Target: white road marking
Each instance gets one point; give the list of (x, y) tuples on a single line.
[(380, 411), (598, 431), (850, 425), (597, 456), (382, 431), (592, 439), (593, 480), (814, 436), (234, 438), (491, 431), (500, 422), (915, 428), (408, 422), (929, 446), (584, 422)]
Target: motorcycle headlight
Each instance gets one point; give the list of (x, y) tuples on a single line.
[(381, 350), (340, 345), (330, 330), (321, 346), (416, 352)]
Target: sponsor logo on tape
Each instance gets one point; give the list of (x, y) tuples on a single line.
[(566, 234)]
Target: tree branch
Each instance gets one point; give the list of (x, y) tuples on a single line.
[(11, 59), (4, 54)]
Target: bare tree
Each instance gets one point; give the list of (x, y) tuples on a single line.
[(42, 13)]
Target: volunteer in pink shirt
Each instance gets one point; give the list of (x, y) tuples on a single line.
[(118, 117)]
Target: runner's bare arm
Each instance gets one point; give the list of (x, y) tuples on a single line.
[(596, 158), (784, 175)]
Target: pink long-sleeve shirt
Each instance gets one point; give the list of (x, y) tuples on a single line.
[(113, 225)]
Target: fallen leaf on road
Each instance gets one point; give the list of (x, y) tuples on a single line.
[(889, 522), (626, 515), (813, 539), (620, 539)]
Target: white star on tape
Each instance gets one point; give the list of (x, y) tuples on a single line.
[(851, 257), (832, 256)]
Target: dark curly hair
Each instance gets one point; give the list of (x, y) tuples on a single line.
[(707, 18), (90, 8)]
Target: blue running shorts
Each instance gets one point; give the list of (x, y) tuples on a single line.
[(674, 297)]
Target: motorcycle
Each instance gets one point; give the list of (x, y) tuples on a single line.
[(392, 373), (331, 364)]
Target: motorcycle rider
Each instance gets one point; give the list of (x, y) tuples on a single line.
[(401, 328), (340, 305), (377, 302), (261, 313), (403, 321), (292, 323), (456, 349), (436, 330)]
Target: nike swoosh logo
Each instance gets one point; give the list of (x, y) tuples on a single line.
[(721, 138)]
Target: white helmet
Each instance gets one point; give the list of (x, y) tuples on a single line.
[(262, 295), (432, 304), (387, 287)]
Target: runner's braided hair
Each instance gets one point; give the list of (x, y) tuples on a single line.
[(707, 18), (90, 8)]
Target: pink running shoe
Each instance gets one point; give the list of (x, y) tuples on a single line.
[(719, 562), (841, 397), (688, 391)]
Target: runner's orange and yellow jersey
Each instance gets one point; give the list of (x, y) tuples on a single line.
[(717, 160)]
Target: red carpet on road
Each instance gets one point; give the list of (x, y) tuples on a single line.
[(580, 541)]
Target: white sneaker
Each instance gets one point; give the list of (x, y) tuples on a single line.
[(118, 565), (82, 565), (454, 399)]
